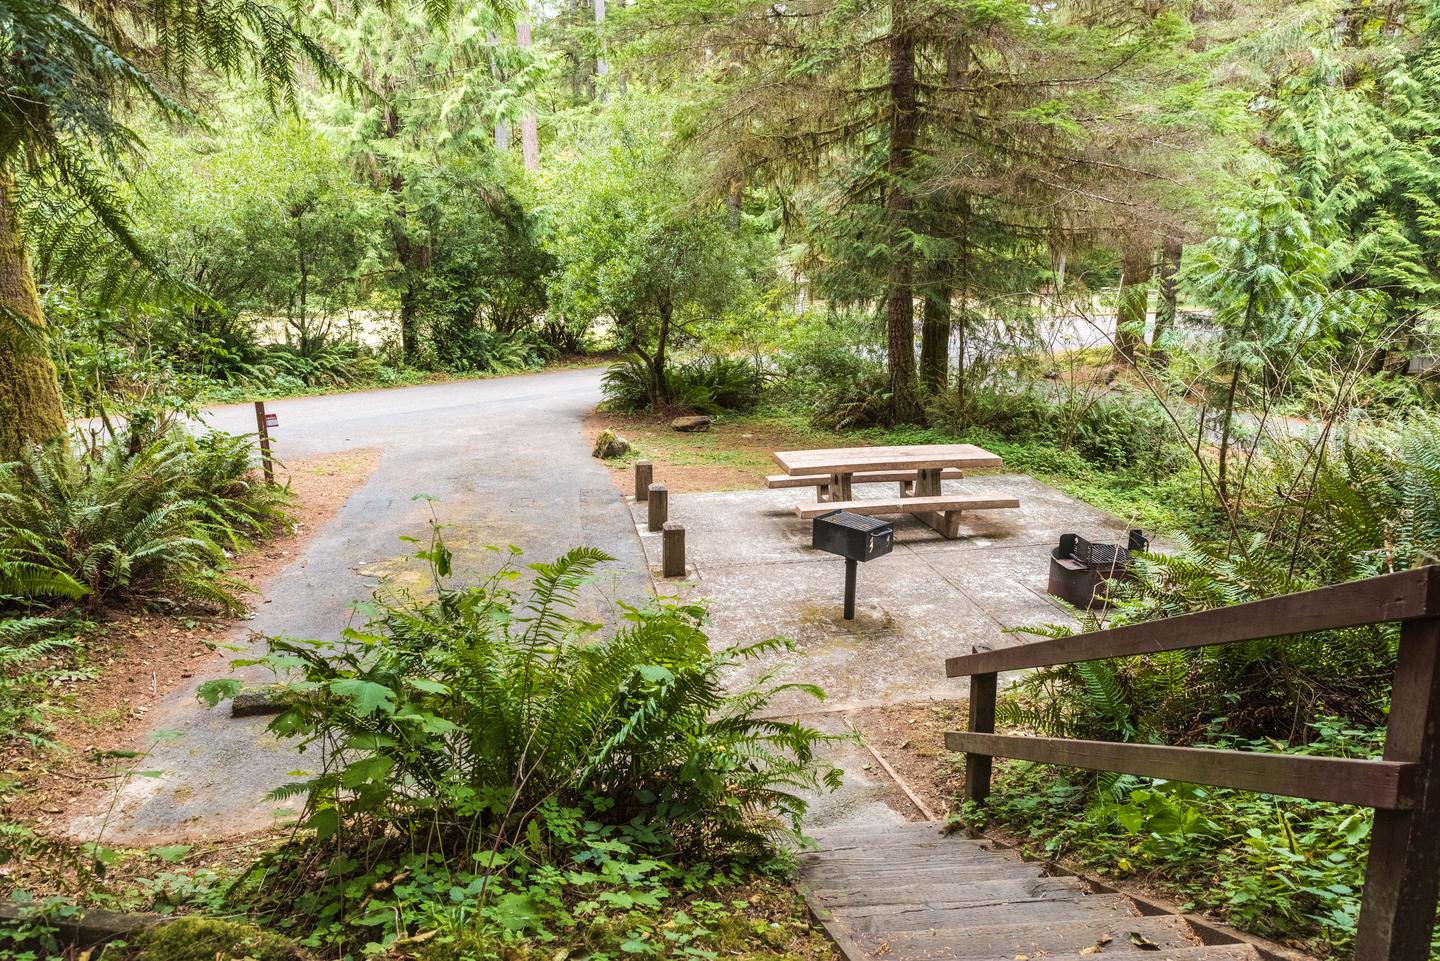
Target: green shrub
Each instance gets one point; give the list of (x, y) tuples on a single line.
[(467, 712), (113, 521), (708, 385), (1282, 867), (1109, 430), (491, 741)]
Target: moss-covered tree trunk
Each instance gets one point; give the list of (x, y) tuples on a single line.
[(899, 206), (30, 410), (1166, 309)]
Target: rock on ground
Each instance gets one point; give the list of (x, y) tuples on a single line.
[(610, 444), (695, 423)]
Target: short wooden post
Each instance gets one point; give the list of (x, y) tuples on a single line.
[(644, 477), (267, 464), (1397, 910), (659, 506), (982, 720), (672, 550)]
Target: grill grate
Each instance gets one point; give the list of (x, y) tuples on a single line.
[(855, 522)]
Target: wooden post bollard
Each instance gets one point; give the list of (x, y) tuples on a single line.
[(672, 550), (659, 506), (263, 429), (644, 477)]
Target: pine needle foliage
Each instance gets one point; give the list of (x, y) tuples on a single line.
[(466, 721)]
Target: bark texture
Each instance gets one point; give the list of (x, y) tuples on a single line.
[(1165, 310), (935, 335), (30, 409), (1134, 303), (899, 203)]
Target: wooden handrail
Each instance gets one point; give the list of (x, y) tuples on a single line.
[(1402, 877), (1392, 597)]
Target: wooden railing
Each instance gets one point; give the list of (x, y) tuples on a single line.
[(1398, 906)]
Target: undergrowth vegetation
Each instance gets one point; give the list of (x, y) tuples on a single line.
[(1288, 868), (148, 517), (490, 766)]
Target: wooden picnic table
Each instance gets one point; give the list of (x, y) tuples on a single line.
[(921, 497)]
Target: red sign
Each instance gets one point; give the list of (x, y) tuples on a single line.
[(272, 420)]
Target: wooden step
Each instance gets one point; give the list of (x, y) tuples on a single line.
[(1030, 938), (942, 504), (1128, 952), (1113, 909), (778, 481), (882, 851), (954, 871), (841, 897)]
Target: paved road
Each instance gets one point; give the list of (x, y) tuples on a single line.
[(508, 462)]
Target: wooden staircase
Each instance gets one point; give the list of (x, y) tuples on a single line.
[(908, 893)]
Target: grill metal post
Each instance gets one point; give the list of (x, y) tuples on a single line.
[(851, 567)]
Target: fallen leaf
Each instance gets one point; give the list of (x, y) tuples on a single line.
[(1142, 942)]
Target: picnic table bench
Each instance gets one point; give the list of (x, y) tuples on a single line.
[(918, 468)]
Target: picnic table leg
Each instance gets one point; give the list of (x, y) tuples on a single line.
[(927, 484), (840, 487)]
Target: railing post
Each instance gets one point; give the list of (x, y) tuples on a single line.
[(982, 720), (1397, 910), (267, 462), (659, 506), (644, 477)]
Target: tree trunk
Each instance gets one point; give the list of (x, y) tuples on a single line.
[(660, 384), (1134, 303), (529, 126), (602, 66), (935, 333), (1165, 310), (30, 409), (502, 129), (961, 323), (899, 202)]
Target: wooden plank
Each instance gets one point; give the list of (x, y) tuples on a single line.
[(897, 918), (957, 871), (842, 898), (1377, 784), (1028, 938), (909, 505), (782, 481), (1397, 910), (1390, 597), (910, 457)]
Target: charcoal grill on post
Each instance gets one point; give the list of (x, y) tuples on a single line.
[(855, 538), (1078, 568)]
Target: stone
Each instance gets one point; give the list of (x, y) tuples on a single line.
[(610, 444), (698, 422), (258, 702)]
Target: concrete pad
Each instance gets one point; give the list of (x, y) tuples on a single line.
[(907, 621), (930, 599)]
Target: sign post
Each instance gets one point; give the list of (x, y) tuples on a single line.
[(263, 423)]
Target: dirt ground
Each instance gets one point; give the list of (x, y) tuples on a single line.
[(139, 656), (734, 454), (911, 739)]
